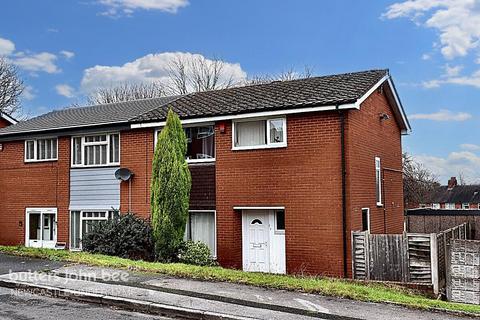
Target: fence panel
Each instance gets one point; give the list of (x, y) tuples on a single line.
[(419, 258), (360, 255), (387, 254)]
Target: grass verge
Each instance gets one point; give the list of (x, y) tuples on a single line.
[(355, 290)]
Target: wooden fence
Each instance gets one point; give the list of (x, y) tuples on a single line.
[(410, 257)]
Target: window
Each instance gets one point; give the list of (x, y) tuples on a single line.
[(96, 150), (450, 206), (201, 227), (435, 205), (200, 143), (366, 219), (41, 150), (378, 181), (81, 222), (280, 221), (465, 206), (253, 134)]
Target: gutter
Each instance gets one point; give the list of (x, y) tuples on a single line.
[(344, 192)]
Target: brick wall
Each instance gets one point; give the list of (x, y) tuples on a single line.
[(23, 185), (368, 137), (304, 177), (137, 148), (4, 123)]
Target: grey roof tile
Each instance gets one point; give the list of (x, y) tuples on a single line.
[(278, 95), (326, 90), (111, 113)]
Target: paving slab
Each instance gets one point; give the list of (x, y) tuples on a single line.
[(261, 296)]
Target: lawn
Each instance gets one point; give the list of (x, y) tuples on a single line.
[(355, 290)]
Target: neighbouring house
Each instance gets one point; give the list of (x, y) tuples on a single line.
[(6, 120), (452, 197), (281, 172)]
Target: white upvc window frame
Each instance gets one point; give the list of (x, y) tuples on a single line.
[(80, 227), (202, 124), (378, 168), (465, 206), (436, 206), (35, 149), (268, 145), (214, 255), (83, 143)]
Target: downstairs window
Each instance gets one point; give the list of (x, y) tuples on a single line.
[(81, 222), (201, 227)]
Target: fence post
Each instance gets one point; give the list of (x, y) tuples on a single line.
[(434, 262)]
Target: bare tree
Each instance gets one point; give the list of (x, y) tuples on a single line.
[(198, 74), (127, 92), (418, 182), (285, 75), (11, 88)]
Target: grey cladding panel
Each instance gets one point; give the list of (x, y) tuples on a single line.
[(94, 188)]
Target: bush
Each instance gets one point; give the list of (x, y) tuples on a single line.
[(126, 236), (196, 253)]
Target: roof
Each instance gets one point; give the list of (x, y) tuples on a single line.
[(8, 118), (458, 194), (112, 113), (347, 90), (278, 95)]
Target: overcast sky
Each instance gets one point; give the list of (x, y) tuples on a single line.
[(66, 49)]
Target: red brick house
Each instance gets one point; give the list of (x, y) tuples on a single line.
[(6, 120), (282, 172)]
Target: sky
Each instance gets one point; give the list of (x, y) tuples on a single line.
[(65, 50)]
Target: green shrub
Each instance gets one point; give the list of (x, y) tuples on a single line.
[(197, 253), (126, 236)]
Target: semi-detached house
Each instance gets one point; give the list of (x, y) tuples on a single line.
[(282, 172)]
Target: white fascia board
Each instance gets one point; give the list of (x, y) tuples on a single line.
[(64, 128), (259, 208), (372, 89), (8, 118), (249, 115), (400, 107)]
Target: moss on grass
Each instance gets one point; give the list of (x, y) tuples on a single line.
[(373, 292)]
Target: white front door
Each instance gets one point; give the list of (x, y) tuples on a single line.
[(256, 242), (41, 227)]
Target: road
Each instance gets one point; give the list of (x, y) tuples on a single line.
[(17, 306), (24, 307)]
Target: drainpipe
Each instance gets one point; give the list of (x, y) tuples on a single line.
[(344, 187)]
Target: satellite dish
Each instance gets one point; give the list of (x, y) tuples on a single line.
[(123, 174)]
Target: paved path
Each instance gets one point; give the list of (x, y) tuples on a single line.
[(310, 302), (16, 264), (26, 307)]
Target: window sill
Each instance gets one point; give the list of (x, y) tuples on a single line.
[(45, 160), (193, 161), (95, 166), (266, 146)]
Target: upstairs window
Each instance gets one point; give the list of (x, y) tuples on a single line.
[(200, 143), (378, 181), (466, 206), (41, 150), (450, 206), (265, 133), (435, 205), (96, 150)]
